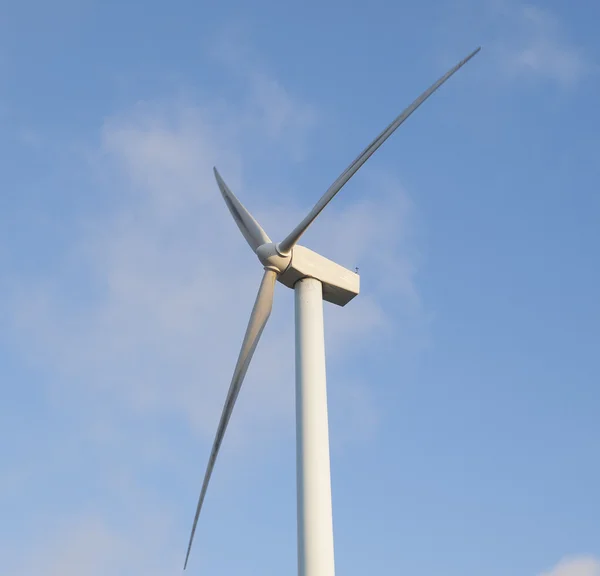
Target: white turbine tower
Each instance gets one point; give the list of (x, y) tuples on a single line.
[(314, 278)]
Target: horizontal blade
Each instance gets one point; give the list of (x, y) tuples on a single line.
[(289, 242), (258, 319), (250, 228)]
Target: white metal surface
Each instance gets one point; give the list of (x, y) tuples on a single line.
[(258, 321), (340, 285), (249, 227), (315, 523)]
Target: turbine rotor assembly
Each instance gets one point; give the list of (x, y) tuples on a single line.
[(288, 262)]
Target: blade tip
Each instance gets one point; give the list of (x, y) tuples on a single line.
[(220, 181)]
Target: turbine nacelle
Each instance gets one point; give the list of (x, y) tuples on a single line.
[(340, 285)]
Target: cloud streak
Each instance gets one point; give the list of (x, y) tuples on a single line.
[(537, 46), (576, 566), (137, 330), (171, 276)]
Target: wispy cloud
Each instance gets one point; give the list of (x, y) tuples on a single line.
[(576, 566), (140, 322), (273, 109), (172, 278), (89, 545), (535, 43)]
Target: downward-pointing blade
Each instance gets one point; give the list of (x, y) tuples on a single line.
[(258, 319), (250, 228), (288, 243)]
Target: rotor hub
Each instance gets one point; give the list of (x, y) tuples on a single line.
[(270, 258)]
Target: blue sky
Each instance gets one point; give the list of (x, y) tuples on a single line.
[(463, 381)]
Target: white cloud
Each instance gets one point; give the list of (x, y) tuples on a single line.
[(142, 320), (576, 566), (272, 109), (280, 114), (172, 281), (534, 44), (89, 545)]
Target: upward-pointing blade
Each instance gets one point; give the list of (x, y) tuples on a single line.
[(286, 245), (250, 228), (258, 319)]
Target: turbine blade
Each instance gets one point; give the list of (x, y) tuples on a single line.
[(250, 228), (289, 242), (258, 319)]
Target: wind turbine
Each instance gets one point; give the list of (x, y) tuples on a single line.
[(314, 278)]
